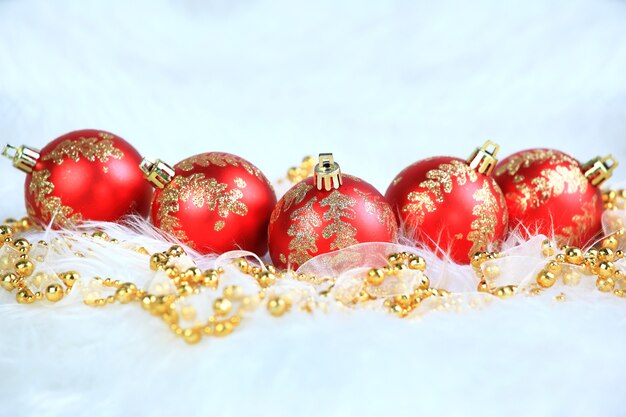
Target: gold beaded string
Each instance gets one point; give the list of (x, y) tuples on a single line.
[(232, 304), (614, 199)]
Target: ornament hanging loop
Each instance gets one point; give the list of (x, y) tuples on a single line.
[(157, 172), (24, 158), (327, 173), (598, 170), (483, 159)]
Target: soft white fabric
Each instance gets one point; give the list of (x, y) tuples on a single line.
[(380, 84)]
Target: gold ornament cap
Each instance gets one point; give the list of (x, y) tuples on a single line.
[(483, 159), (24, 158), (157, 172), (599, 169), (327, 174)]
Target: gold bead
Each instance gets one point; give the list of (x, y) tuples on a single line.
[(560, 258), (99, 234), (8, 281), (265, 279), (399, 266), (610, 242), (491, 271), (605, 284), (22, 245), (417, 263), (393, 258), (478, 259), (619, 254), (547, 248), (375, 276), (403, 300), (54, 292), (193, 274), (25, 297), (424, 283), (606, 269), (554, 267), (506, 291), (192, 335), (126, 293), (5, 232), (158, 260), (171, 271), (147, 301), (24, 267), (223, 329), (222, 306), (211, 278), (242, 264), (483, 287), (184, 288), (277, 306), (574, 255), (176, 251), (362, 297), (69, 278), (606, 254), (546, 279), (233, 292)]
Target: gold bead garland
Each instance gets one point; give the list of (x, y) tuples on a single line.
[(568, 265)]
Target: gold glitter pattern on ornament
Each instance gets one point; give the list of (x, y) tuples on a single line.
[(296, 194), (420, 204), (239, 182), (50, 206), (527, 158), (219, 225), (339, 206), (203, 192), (484, 225), (220, 160), (581, 223), (552, 182), (374, 204), (303, 230), (99, 148), (439, 182)]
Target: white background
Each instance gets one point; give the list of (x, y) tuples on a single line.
[(380, 84)]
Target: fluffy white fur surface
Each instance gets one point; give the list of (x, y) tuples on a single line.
[(379, 84)]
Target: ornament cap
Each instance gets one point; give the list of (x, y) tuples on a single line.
[(157, 172), (24, 158), (327, 173), (599, 169), (483, 159)]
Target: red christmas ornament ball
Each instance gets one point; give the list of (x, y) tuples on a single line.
[(449, 206), (548, 192), (309, 221), (83, 175), (215, 202)]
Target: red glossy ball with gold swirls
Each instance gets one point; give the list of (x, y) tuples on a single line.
[(308, 222), (444, 204), (216, 202), (86, 175), (548, 193)]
